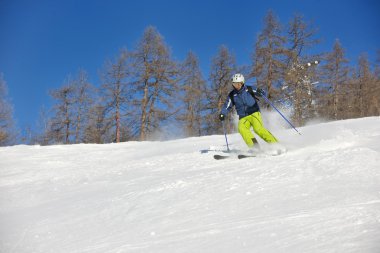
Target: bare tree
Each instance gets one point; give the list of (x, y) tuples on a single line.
[(155, 82), (335, 73), (71, 110), (7, 127), (97, 128), (62, 120), (377, 65), (193, 88), (41, 133), (114, 91), (297, 86), (375, 90), (83, 99), (222, 68), (367, 90), (269, 56)]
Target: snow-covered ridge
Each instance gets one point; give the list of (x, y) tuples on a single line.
[(323, 195)]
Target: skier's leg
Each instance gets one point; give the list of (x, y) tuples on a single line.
[(244, 127), (259, 128)]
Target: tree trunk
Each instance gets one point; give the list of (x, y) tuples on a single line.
[(144, 104)]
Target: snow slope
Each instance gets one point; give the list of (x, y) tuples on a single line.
[(323, 195)]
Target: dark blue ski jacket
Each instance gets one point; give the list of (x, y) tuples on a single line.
[(245, 104)]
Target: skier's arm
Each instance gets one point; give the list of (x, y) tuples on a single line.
[(227, 106)]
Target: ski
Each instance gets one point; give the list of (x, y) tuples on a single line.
[(262, 154), (251, 155), (231, 151), (220, 157), (241, 156)]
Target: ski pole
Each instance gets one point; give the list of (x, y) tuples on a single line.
[(225, 135), (269, 102)]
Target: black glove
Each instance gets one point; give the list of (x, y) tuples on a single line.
[(260, 92), (221, 117)]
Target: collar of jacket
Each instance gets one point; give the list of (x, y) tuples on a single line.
[(241, 89)]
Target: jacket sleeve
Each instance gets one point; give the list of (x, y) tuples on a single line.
[(227, 106)]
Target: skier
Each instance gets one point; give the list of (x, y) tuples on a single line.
[(244, 100)]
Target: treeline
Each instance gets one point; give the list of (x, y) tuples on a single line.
[(145, 91)]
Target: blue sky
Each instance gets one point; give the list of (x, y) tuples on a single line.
[(42, 41)]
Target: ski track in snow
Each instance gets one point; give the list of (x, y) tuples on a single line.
[(323, 195)]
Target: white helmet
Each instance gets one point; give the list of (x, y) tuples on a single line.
[(238, 78)]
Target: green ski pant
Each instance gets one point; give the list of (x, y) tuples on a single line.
[(256, 122)]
